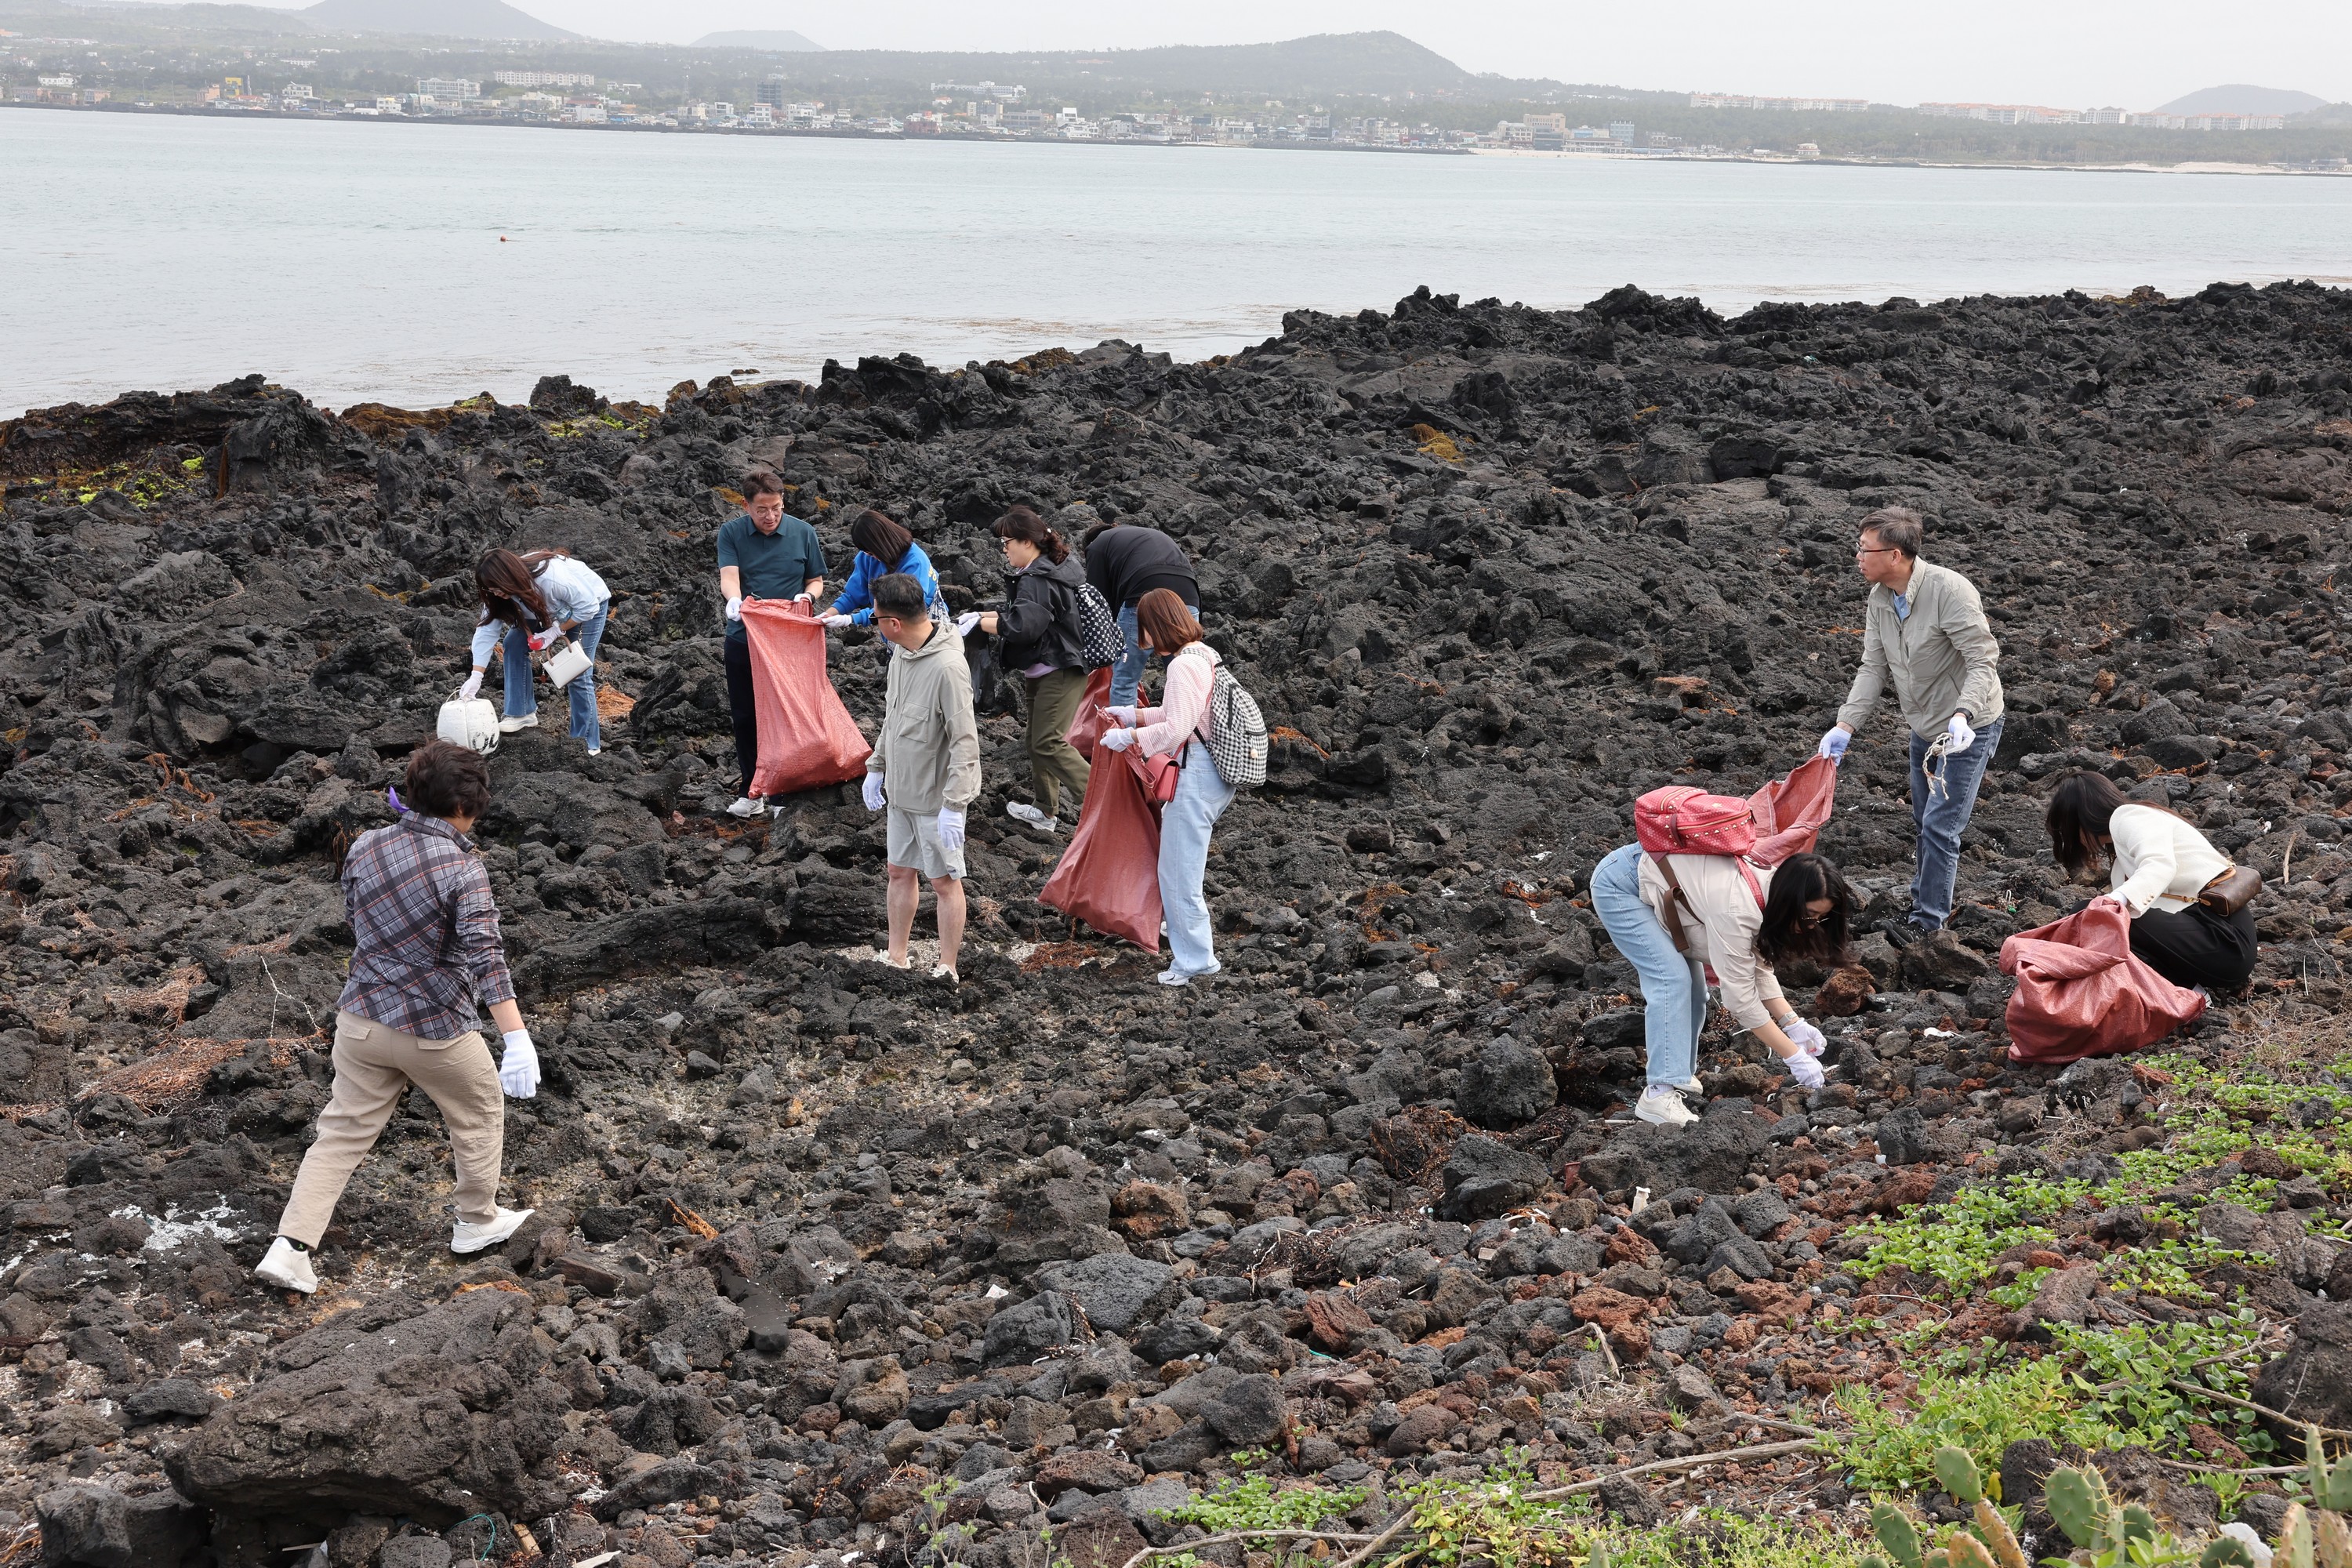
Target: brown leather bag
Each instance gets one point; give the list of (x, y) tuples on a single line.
[(2230, 891)]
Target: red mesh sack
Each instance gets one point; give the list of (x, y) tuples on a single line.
[(1109, 876), (2080, 992), (807, 739), (1790, 812), (1086, 725)]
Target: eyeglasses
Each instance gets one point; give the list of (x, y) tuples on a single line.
[(1874, 550)]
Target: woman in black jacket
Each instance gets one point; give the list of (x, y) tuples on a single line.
[(1039, 626)]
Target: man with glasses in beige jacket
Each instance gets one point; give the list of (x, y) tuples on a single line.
[(1925, 632)]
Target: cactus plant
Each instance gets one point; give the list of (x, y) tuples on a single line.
[(1896, 1533), (2295, 1547), (1995, 1533), (1957, 1473), (2079, 1502), (2331, 1540), (2331, 1485), (2227, 1552), (1965, 1550)]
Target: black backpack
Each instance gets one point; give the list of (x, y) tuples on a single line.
[(1101, 641)]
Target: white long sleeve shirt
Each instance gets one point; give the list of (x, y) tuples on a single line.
[(2161, 861), (1720, 922), (572, 591)]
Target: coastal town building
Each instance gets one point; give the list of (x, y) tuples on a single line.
[(1783, 105), (544, 78), (449, 90)]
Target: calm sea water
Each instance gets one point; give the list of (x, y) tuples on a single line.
[(417, 264)]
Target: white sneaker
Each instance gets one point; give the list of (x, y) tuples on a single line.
[(595, 751), (510, 724), (467, 1237), (1690, 1085), (1022, 810), (1662, 1105), (747, 806), (942, 972), (287, 1267)]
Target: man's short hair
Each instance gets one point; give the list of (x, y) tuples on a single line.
[(760, 482), (898, 597), (1898, 528), (447, 780)]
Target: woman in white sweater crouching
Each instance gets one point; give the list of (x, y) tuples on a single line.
[(2158, 864)]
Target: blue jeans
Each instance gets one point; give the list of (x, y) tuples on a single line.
[(1673, 985), (1127, 675), (1941, 820), (522, 696), (1185, 823)]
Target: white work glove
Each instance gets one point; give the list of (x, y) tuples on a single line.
[(965, 622), (875, 799), (1119, 740), (735, 609), (1805, 1038), (518, 1069), (835, 622), (1804, 1069), (806, 598), (1833, 744), (1961, 737), (1123, 715), (950, 825), (541, 641), (472, 688)]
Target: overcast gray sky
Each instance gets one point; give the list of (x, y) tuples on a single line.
[(2132, 53), (2135, 53)]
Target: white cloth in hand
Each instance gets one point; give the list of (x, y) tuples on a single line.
[(1119, 740), (1833, 744), (836, 622), (1123, 715), (1804, 1069), (875, 798), (1804, 1037), (519, 1068), (1962, 736), (950, 825), (965, 622), (735, 609), (541, 641), (472, 688)]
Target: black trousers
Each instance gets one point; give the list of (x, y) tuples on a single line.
[(2196, 946), (740, 703)]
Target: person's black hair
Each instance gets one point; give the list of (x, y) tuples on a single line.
[(760, 482), (879, 537), (1897, 528), (899, 596), (507, 586), (1789, 931), (2077, 818), (1025, 525), (447, 780), (1096, 531)]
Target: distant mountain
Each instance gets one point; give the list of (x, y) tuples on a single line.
[(440, 18), (142, 20), (2240, 98), (1297, 70), (760, 38)]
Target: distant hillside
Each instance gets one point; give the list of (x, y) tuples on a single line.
[(142, 21), (1326, 66), (440, 18), (760, 38), (2240, 98), (2330, 114)]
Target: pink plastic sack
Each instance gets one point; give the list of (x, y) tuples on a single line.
[(1109, 876), (1086, 725), (2080, 992), (1790, 812), (807, 739)]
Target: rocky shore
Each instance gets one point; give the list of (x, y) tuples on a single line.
[(833, 1265)]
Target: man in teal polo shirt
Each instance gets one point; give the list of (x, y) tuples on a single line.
[(762, 554)]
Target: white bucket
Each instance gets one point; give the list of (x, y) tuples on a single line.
[(473, 725)]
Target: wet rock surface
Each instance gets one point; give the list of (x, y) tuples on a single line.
[(817, 1235)]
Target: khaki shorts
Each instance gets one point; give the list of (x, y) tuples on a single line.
[(914, 843)]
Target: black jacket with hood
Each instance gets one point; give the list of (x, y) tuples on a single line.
[(1039, 623)]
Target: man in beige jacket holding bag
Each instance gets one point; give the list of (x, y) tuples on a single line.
[(1925, 633)]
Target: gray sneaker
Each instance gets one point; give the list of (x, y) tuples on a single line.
[(1022, 812)]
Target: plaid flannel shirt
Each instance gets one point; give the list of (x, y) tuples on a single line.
[(419, 903)]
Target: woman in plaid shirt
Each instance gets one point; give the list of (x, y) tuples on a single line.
[(419, 904)]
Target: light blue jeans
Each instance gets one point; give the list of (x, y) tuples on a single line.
[(1942, 819), (522, 695), (1673, 985), (1185, 823), (1127, 675)]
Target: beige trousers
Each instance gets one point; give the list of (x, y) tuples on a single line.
[(374, 1065)]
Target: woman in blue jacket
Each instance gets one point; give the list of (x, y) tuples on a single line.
[(882, 547)]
